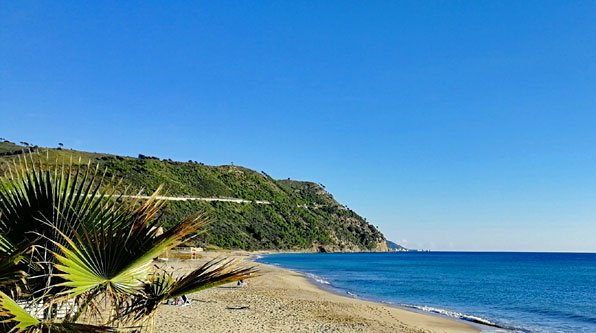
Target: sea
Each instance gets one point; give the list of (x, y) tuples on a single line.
[(519, 292)]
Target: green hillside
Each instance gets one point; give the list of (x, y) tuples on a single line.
[(299, 215)]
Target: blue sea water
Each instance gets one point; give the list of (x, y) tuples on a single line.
[(525, 292)]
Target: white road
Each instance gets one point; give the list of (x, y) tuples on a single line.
[(261, 202)]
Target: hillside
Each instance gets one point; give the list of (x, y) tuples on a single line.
[(395, 247), (296, 216)]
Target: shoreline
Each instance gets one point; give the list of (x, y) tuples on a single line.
[(314, 280), (281, 300), (475, 322)]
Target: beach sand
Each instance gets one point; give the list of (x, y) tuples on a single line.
[(285, 301)]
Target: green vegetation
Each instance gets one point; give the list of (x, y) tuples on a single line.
[(301, 215), (76, 257)]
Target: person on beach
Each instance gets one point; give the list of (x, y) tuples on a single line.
[(179, 301)]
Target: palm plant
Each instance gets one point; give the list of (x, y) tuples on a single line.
[(68, 240)]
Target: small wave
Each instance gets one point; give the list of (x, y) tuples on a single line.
[(318, 279), (351, 294), (457, 315)]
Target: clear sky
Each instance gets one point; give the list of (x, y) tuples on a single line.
[(454, 125)]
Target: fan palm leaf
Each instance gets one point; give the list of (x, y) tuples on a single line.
[(75, 241), (13, 267), (15, 318), (37, 205), (164, 285), (11, 312), (117, 258), (31, 197)]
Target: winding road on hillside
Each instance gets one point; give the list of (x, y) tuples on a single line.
[(237, 200)]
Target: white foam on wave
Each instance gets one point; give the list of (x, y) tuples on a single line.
[(454, 314), (318, 279)]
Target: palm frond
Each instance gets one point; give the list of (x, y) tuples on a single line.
[(116, 257), (19, 320), (164, 285), (76, 242), (11, 312), (77, 328), (13, 266), (213, 273), (38, 204), (76, 197)]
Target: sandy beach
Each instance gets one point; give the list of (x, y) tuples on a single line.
[(285, 301)]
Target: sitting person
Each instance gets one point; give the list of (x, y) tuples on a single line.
[(180, 301)]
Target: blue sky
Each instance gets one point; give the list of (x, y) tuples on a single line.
[(454, 125)]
